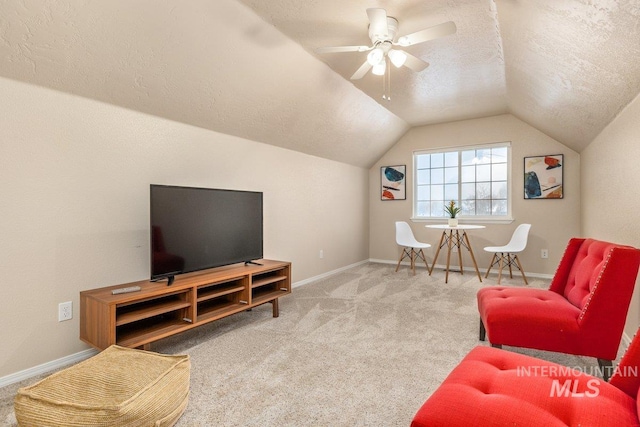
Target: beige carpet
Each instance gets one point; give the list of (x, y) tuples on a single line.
[(364, 347)]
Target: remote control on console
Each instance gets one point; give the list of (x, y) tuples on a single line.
[(125, 290)]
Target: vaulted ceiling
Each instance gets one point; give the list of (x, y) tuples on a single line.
[(250, 67)]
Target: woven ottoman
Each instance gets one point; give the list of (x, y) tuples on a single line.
[(117, 387)]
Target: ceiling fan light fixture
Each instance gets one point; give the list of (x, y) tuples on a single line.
[(379, 68), (397, 57), (375, 57)]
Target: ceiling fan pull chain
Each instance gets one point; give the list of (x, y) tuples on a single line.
[(389, 81), (386, 82)]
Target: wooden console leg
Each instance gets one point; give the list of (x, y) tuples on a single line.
[(276, 311)]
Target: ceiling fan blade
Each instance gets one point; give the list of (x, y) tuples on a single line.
[(364, 68), (378, 23), (414, 63), (430, 33), (333, 49)]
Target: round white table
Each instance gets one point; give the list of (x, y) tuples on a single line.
[(451, 237)]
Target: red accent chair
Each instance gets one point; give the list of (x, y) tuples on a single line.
[(493, 387), (583, 312)]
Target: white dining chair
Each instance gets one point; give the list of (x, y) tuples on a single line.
[(508, 254), (410, 246)]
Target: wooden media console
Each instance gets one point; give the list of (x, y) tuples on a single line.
[(156, 311)]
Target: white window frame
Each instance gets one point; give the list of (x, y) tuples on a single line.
[(468, 219)]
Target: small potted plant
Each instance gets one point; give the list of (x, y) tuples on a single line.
[(452, 210)]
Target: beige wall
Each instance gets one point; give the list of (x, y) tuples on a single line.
[(554, 222), (74, 215), (610, 193)]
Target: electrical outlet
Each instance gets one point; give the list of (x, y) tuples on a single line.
[(65, 311), (544, 253), (321, 254)]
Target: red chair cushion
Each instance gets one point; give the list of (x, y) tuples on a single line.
[(528, 317), (493, 387)]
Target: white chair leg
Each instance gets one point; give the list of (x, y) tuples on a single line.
[(510, 261), (493, 260), (521, 270), (401, 258), (423, 257), (500, 265), (412, 254), (413, 261)]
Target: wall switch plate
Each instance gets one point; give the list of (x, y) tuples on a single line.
[(321, 254), (65, 311), (544, 253)]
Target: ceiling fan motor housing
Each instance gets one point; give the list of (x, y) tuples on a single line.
[(392, 31)]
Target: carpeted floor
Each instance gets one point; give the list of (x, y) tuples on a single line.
[(364, 347)]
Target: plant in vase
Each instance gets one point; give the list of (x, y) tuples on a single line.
[(452, 210)]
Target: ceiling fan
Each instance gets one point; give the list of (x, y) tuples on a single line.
[(383, 30)]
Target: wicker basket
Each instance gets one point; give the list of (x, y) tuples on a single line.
[(117, 387)]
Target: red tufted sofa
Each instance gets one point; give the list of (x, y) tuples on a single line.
[(583, 312), (494, 387)]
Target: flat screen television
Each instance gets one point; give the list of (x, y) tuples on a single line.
[(198, 228)]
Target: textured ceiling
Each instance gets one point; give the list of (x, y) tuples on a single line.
[(249, 67)]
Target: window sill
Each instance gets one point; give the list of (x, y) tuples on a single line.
[(465, 220)]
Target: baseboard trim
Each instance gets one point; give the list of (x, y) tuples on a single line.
[(453, 267), (46, 367), (327, 274), (419, 263)]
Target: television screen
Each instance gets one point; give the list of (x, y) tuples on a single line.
[(197, 228)]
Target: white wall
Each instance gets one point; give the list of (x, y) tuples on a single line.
[(610, 192), (74, 215), (554, 222)]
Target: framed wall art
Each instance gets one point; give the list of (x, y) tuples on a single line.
[(393, 182), (543, 177)]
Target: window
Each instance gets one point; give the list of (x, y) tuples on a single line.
[(476, 178)]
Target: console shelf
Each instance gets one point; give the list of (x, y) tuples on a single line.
[(134, 312), (216, 293), (143, 336), (157, 311), (217, 311), (262, 281)]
